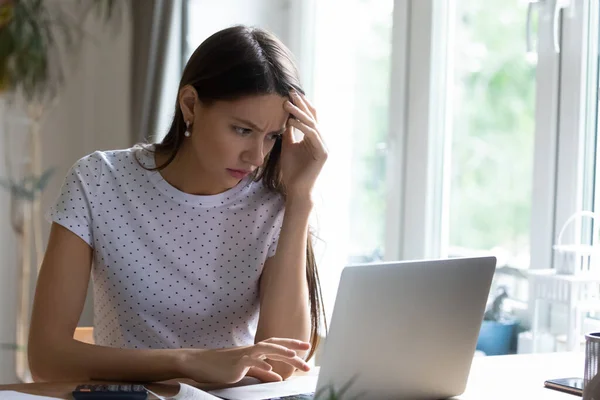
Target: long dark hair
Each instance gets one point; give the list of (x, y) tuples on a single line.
[(233, 63)]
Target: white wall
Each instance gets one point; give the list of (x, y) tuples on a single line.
[(208, 16), (92, 114)]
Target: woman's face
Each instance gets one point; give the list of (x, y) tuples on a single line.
[(230, 139)]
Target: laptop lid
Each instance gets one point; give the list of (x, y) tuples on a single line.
[(406, 329)]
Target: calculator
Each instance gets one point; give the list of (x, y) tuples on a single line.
[(110, 392)]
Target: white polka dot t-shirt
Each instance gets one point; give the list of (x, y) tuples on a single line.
[(171, 269)]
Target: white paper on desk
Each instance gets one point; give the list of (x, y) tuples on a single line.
[(12, 395), (292, 386), (187, 392)]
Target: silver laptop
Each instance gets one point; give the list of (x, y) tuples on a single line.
[(408, 329), (404, 330)]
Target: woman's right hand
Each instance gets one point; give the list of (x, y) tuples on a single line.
[(230, 365)]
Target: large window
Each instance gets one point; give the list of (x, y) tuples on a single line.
[(492, 130), (351, 72), (352, 82)]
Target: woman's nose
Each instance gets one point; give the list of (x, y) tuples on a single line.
[(256, 154)]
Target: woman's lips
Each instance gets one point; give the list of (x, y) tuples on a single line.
[(238, 173)]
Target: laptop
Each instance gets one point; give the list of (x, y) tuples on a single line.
[(401, 330)]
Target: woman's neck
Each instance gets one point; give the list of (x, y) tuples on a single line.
[(185, 173)]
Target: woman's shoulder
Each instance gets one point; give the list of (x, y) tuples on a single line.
[(111, 158), (95, 168), (265, 197)]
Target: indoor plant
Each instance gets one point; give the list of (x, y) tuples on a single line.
[(329, 392), (498, 326)]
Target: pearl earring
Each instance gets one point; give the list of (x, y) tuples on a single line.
[(187, 130)]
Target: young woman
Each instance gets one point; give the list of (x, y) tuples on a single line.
[(199, 246)]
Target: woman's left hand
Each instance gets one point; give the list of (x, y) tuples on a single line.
[(301, 161)]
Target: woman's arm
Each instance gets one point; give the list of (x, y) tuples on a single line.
[(284, 298), (55, 355), (59, 299), (284, 293)]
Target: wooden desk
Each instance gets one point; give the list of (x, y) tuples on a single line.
[(521, 376), (503, 377)]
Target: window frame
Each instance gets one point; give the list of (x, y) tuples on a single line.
[(416, 226), (423, 191), (424, 225), (571, 154)]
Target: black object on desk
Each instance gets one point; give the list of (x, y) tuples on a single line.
[(110, 392), (572, 386)]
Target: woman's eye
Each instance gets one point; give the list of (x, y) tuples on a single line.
[(242, 131), (274, 136)]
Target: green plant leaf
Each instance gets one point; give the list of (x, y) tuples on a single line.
[(29, 187), (44, 179), (17, 190), (12, 346), (29, 51), (331, 393)]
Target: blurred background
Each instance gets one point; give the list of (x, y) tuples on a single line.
[(455, 128)]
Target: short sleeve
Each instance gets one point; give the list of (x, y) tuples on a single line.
[(275, 232), (72, 208)]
